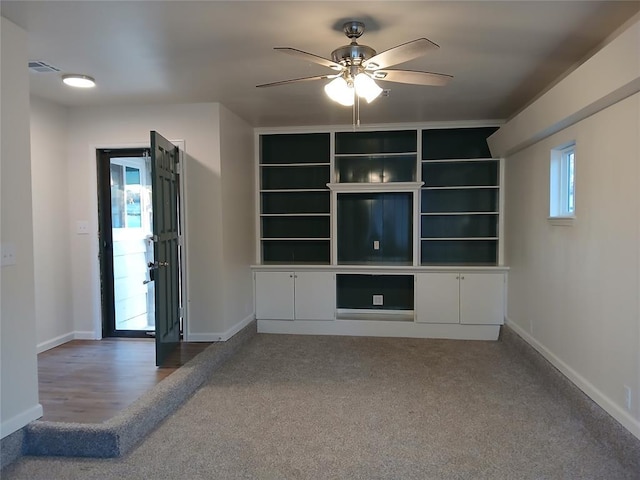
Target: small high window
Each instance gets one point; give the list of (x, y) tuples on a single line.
[(562, 200)]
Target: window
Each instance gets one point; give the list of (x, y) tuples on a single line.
[(130, 193), (562, 203)]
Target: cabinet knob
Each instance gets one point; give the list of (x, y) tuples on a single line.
[(462, 277)]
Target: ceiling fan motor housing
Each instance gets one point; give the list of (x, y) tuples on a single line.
[(352, 54)]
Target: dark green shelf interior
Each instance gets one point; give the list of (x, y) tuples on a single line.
[(286, 178), (463, 200), (455, 174), (295, 202), (295, 148), (367, 217), (398, 141), (296, 251), (376, 169), (356, 291), (456, 226), (459, 252), (295, 227), (448, 143)]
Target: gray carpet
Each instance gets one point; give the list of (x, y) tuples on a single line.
[(308, 407)]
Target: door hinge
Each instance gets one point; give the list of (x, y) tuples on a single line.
[(181, 241), (154, 238), (179, 167)]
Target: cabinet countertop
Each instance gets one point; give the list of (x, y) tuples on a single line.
[(380, 268)]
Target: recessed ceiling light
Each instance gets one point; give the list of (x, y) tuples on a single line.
[(81, 81)]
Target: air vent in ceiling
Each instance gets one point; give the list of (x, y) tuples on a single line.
[(42, 67)]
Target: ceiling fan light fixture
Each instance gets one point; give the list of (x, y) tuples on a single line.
[(339, 91), (79, 81), (366, 87)]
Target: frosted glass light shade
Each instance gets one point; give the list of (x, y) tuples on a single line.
[(339, 91), (366, 87), (80, 81)]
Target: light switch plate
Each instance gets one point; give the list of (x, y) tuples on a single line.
[(82, 227), (8, 254), (378, 300), (376, 244)]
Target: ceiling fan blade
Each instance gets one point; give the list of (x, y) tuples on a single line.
[(409, 76), (310, 57), (400, 54), (294, 80)]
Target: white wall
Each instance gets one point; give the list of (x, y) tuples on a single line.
[(574, 291), (238, 222), (18, 368), (51, 226), (208, 258)]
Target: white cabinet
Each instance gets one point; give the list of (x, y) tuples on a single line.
[(466, 298), (274, 295), (295, 295), (437, 298), (481, 298)]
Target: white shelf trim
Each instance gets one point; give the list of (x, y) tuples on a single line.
[(451, 160), (294, 190), (426, 214), (463, 187), (280, 239), (295, 214), (376, 187), (457, 238), (376, 155), (325, 164)]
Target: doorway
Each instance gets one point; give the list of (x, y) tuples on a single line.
[(126, 242), (141, 243)]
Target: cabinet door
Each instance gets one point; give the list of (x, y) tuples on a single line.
[(437, 298), (274, 295), (315, 295), (482, 298)]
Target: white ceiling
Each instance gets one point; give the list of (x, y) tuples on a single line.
[(501, 54)]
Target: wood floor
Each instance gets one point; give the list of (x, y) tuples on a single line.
[(90, 381)]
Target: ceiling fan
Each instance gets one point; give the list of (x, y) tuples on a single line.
[(359, 66)]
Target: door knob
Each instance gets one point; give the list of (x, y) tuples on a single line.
[(157, 264)]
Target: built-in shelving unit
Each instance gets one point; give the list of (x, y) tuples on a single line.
[(294, 198), (375, 192), (386, 232), (459, 211)]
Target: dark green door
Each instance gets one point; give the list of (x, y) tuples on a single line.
[(166, 231)]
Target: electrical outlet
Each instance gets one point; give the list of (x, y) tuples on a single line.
[(627, 397), (378, 299), (376, 244), (8, 254)]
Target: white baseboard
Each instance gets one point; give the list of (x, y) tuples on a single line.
[(380, 328), (223, 336), (88, 335), (617, 412), (54, 342), (16, 422), (67, 337)]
